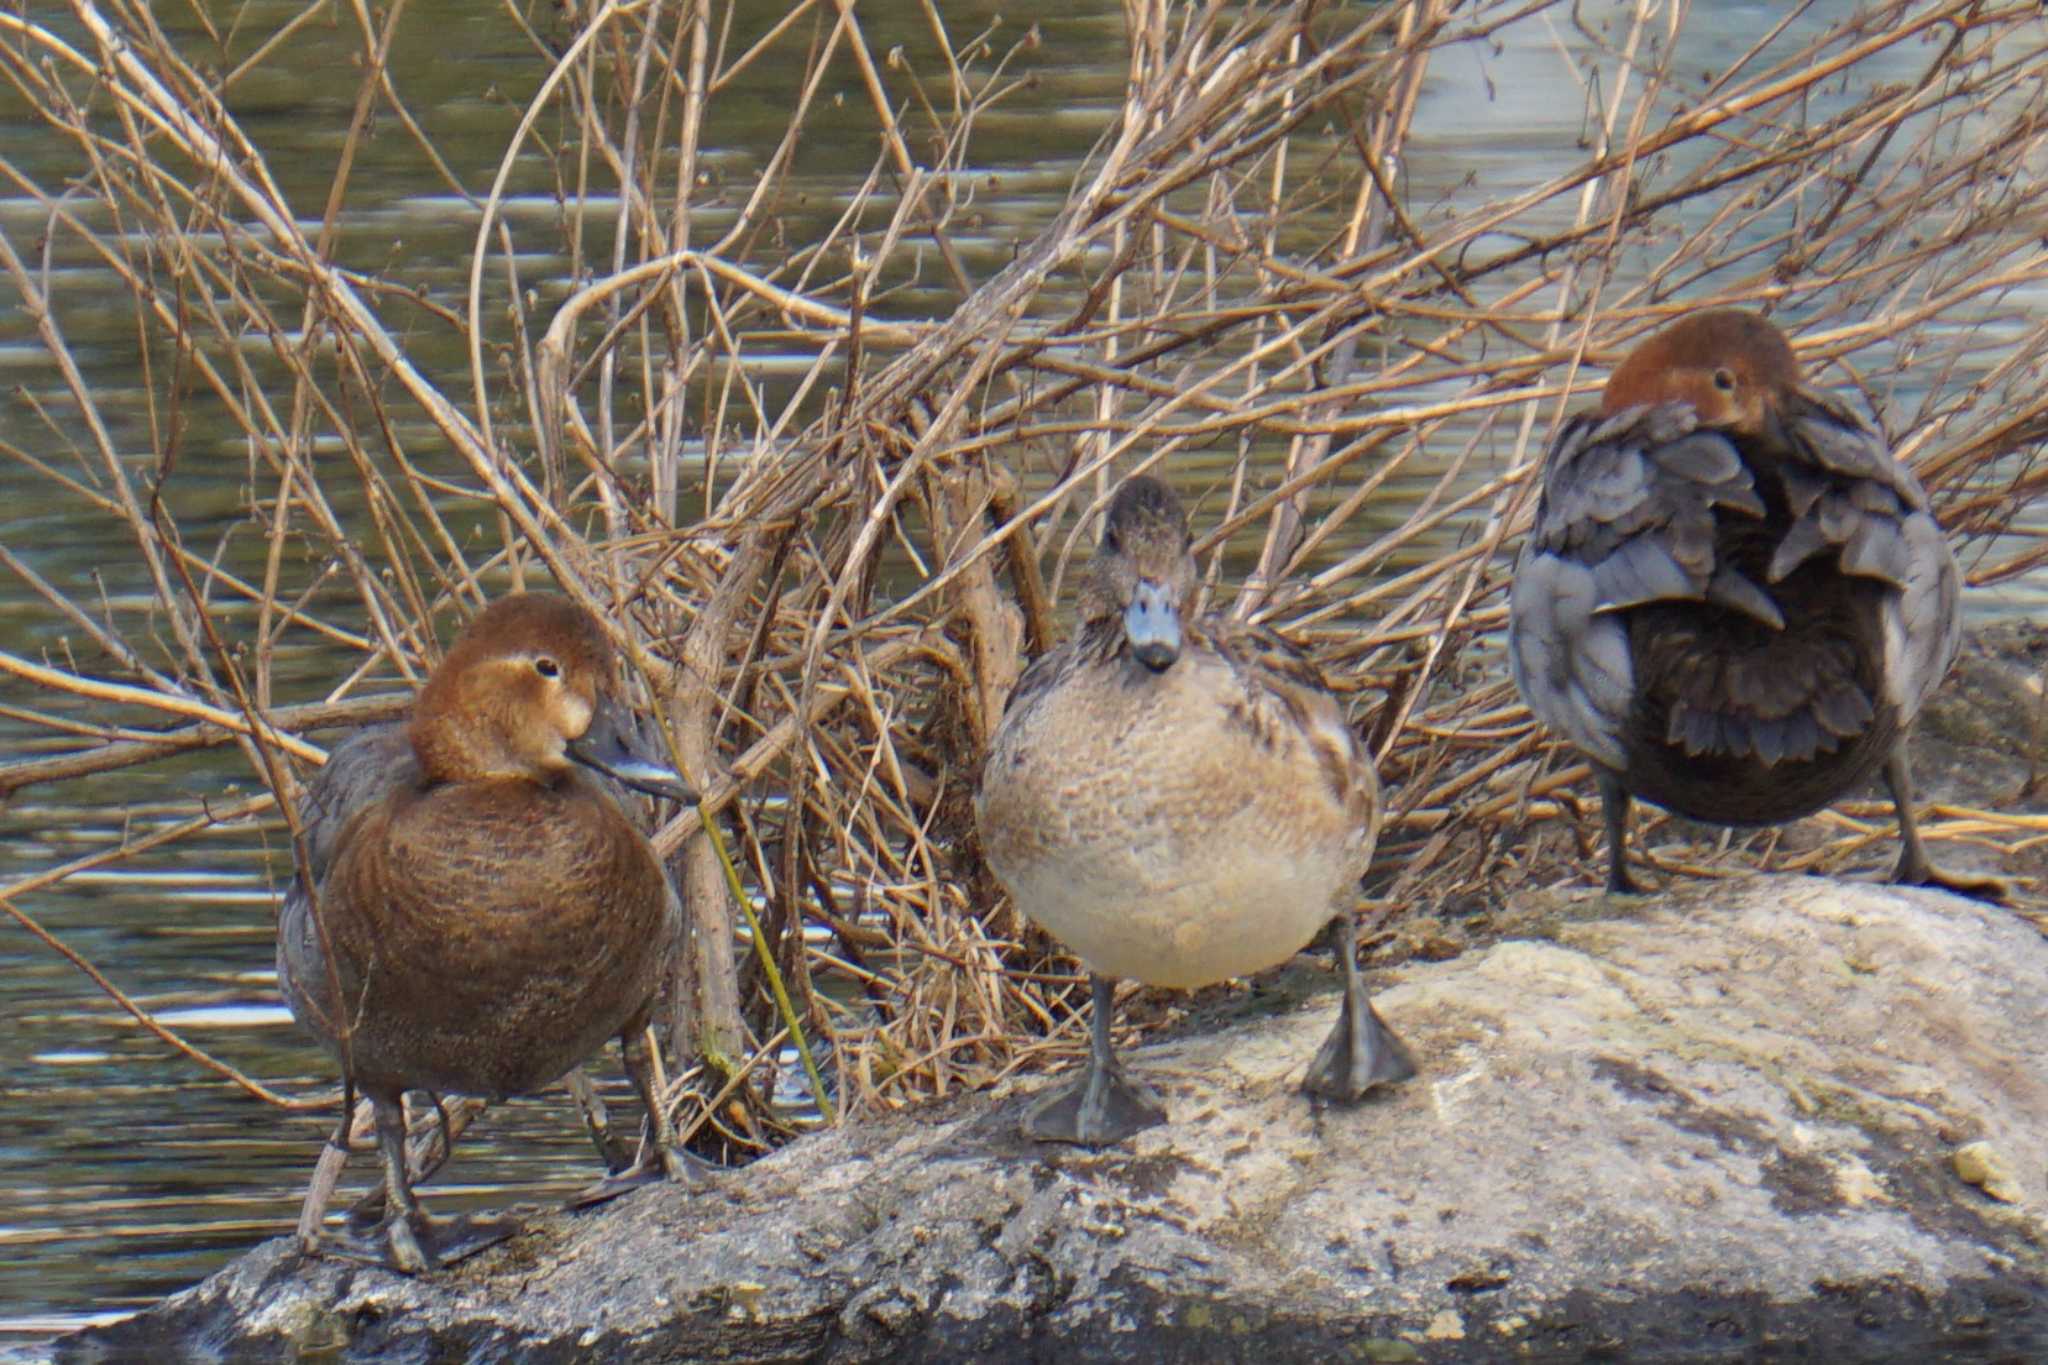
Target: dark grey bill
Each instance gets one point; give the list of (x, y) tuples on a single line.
[(1152, 625), (612, 747)]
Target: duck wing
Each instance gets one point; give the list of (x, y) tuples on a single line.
[(1285, 699), (362, 770), (359, 773), (1627, 517), (1040, 677), (1848, 495)]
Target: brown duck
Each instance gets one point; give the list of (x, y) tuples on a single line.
[(1179, 800), (1734, 599), (482, 915)]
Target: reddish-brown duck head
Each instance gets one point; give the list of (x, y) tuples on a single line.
[(529, 688), (1734, 368)]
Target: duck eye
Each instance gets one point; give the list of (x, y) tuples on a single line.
[(547, 668), (1724, 380)]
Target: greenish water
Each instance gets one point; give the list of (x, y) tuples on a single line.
[(125, 1171)]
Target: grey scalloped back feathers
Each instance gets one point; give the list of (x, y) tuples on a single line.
[(1733, 600)]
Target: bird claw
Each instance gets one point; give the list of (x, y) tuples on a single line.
[(416, 1245)]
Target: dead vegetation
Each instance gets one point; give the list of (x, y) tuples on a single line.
[(831, 517)]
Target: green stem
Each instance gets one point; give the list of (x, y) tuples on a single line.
[(782, 1002), (739, 895)]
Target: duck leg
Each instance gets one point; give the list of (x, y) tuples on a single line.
[(597, 1122), (661, 1156), (404, 1250), (326, 1174), (1361, 1051), (1915, 868), (1103, 1106), (426, 1152), (1614, 804), (412, 1243)]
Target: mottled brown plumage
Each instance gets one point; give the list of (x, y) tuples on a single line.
[(483, 915), (1179, 800), (1734, 599)]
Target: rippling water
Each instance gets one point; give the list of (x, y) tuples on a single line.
[(126, 1171)]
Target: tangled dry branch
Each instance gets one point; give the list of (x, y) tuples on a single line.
[(829, 491)]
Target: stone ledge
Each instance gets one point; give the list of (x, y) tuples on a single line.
[(1722, 1118)]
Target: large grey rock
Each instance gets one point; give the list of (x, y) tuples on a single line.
[(1717, 1124)]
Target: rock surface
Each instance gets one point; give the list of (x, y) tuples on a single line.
[(1720, 1123)]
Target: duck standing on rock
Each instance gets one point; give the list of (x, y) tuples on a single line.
[(477, 914), (1734, 600), (1179, 800)]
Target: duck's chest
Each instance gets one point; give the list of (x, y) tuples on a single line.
[(1168, 827), (485, 944), (499, 848), (501, 886), (1133, 753)]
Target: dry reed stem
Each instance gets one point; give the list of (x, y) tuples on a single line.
[(833, 525)]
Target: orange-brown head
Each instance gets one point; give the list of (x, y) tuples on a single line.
[(527, 689), (1734, 368), (1143, 571)]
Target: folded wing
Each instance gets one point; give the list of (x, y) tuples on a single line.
[(1643, 509)]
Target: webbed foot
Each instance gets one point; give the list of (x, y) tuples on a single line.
[(656, 1164), (1360, 1053), (1101, 1108), (1619, 883), (662, 1156), (1922, 872), (418, 1245), (406, 1240), (1915, 868)]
